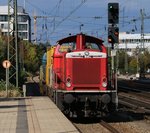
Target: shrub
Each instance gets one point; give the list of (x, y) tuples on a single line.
[(12, 90)]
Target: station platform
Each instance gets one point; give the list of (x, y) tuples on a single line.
[(32, 115)]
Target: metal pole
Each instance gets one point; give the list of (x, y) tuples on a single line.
[(142, 29), (81, 27), (114, 74), (112, 68), (16, 41), (126, 58), (7, 82), (24, 4), (117, 63), (12, 48), (142, 44), (137, 59)]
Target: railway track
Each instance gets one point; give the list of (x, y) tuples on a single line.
[(138, 92), (137, 100), (109, 127), (97, 127), (134, 103), (134, 85), (135, 97)]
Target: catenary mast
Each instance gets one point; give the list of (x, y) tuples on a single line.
[(12, 47)]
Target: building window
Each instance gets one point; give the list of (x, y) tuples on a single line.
[(22, 18), (123, 41), (22, 27), (4, 18), (22, 35), (4, 33), (4, 26)]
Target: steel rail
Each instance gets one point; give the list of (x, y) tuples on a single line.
[(109, 127)]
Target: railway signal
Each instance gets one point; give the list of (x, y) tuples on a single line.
[(113, 13), (113, 35), (113, 20)]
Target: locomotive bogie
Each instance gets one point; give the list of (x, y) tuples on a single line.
[(83, 104)]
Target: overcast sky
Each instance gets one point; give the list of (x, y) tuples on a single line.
[(67, 16)]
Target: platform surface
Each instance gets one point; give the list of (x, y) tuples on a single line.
[(32, 115)]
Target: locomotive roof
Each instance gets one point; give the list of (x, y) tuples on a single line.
[(73, 38)]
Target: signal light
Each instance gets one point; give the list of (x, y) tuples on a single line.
[(113, 13), (109, 39), (113, 35)]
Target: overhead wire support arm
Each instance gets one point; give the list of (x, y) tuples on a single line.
[(35, 17)]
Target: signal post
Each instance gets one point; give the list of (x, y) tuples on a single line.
[(6, 64), (113, 38)]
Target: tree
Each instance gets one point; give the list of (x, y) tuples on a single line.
[(32, 56), (3, 56), (133, 65)]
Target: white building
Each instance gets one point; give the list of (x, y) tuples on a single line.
[(24, 22), (133, 41)]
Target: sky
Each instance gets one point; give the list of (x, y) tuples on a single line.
[(64, 17)]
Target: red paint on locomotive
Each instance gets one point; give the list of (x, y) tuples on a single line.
[(80, 76), (85, 72)]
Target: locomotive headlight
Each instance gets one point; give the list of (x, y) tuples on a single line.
[(68, 82), (104, 82)]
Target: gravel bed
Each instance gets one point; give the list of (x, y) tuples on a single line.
[(132, 127), (92, 128), (123, 127), (124, 122)]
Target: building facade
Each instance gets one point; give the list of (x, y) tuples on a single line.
[(24, 22), (132, 41)]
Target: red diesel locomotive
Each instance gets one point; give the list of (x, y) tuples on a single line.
[(79, 81)]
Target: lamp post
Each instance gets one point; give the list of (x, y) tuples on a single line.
[(137, 60), (81, 25), (126, 58)]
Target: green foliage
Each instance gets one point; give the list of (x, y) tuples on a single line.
[(122, 66), (30, 56), (143, 59), (12, 90), (121, 59), (133, 66), (2, 85), (3, 56)]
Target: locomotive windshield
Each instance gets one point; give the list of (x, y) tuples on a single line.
[(80, 42), (68, 47), (65, 47), (93, 46)]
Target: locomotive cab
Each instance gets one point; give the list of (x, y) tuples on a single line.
[(80, 76)]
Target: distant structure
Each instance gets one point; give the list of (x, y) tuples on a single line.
[(132, 42), (24, 23)]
